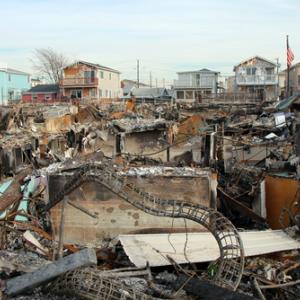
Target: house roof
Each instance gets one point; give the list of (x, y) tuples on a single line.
[(129, 81), (295, 66), (204, 70), (257, 57), (127, 85), (97, 66), (146, 92), (44, 88), (14, 71)]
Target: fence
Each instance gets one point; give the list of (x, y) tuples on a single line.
[(225, 98)]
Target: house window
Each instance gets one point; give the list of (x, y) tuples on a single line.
[(47, 97), (109, 76), (101, 74), (9, 77), (106, 93), (189, 95), (109, 94), (180, 94), (100, 93), (299, 79), (10, 95), (76, 94), (34, 97), (251, 71), (93, 92)]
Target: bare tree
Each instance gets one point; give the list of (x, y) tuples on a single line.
[(49, 63)]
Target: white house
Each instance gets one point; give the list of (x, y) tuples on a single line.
[(257, 76), (193, 85)]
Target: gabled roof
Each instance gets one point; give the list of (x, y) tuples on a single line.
[(97, 66), (134, 82), (204, 70), (14, 71), (257, 57), (44, 88), (295, 66), (127, 85)]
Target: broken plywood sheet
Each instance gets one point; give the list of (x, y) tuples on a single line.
[(200, 247), (59, 124)]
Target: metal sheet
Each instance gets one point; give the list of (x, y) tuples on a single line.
[(200, 247)]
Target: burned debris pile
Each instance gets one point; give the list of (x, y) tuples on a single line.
[(149, 201)]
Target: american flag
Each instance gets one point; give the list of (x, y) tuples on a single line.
[(289, 54)]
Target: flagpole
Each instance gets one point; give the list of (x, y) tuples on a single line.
[(288, 69)]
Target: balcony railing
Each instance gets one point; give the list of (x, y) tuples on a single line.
[(256, 79), (201, 84), (82, 81)]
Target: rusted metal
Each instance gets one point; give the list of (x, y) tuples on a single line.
[(89, 283), (280, 194)]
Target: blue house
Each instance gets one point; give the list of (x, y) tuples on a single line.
[(12, 84)]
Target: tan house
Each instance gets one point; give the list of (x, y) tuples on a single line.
[(84, 80), (294, 86), (282, 84), (294, 80)]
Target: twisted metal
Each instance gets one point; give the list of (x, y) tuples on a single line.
[(93, 284), (229, 266)]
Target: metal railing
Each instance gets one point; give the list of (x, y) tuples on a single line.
[(257, 79), (79, 81), (204, 83), (225, 98)]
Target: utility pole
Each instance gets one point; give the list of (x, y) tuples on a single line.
[(163, 82), (288, 70), (150, 77), (277, 75), (138, 73)]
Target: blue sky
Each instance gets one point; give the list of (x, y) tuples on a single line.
[(167, 36)]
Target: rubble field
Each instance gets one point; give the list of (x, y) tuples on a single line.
[(137, 200)]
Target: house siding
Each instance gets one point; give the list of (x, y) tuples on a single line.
[(12, 85), (295, 80), (39, 98), (257, 76), (190, 86), (104, 83)]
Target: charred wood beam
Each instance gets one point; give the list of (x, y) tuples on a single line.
[(13, 193), (240, 207), (26, 282)]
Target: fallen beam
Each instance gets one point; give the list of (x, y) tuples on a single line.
[(240, 207), (26, 282)]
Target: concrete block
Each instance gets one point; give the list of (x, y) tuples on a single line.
[(26, 282)]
